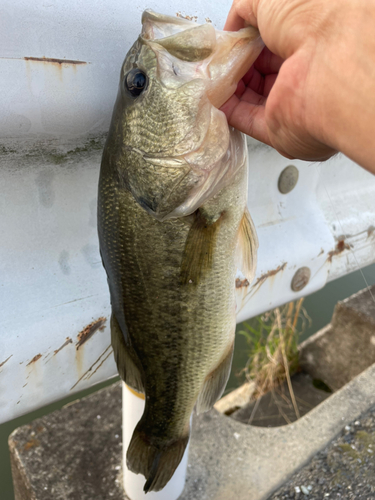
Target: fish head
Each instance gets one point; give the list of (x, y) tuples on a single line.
[(175, 147)]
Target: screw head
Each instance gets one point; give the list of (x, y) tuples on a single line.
[(300, 279), (288, 179)]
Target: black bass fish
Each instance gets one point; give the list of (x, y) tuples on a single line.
[(172, 216)]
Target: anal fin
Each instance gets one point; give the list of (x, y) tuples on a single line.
[(215, 383), (247, 246), (126, 364)]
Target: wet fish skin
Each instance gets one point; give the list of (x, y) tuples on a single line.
[(169, 249)]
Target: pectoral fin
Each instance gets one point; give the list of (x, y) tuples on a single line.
[(247, 246), (199, 247)]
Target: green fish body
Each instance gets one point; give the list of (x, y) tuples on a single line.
[(172, 218)]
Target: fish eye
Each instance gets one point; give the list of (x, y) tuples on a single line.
[(135, 82)]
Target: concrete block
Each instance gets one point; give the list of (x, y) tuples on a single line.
[(276, 408), (345, 347), (75, 453), (235, 399)]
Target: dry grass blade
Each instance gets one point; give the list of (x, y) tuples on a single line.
[(273, 358), (286, 365)]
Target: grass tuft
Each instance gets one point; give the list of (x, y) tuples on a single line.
[(273, 341)]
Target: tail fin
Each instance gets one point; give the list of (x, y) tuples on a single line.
[(156, 463)]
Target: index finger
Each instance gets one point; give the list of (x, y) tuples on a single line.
[(248, 116)]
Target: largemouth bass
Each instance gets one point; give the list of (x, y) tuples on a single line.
[(171, 216)]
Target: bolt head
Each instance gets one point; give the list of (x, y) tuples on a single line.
[(288, 179), (300, 279)]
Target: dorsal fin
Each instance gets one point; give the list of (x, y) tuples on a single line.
[(247, 247)]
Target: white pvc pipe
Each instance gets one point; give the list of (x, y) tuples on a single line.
[(132, 409)]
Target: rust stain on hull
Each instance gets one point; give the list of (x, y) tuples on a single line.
[(340, 247), (242, 283), (35, 358), (89, 331), (54, 60), (263, 278), (3, 363), (97, 368), (247, 293), (79, 361), (189, 18), (68, 341), (87, 373)]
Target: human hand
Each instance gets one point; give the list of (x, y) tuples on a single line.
[(280, 101)]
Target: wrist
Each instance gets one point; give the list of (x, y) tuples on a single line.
[(341, 83)]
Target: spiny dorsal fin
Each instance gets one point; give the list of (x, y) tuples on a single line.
[(247, 246), (199, 248)]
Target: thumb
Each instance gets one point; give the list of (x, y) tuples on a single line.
[(241, 14)]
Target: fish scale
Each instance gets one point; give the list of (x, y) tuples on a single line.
[(156, 123)]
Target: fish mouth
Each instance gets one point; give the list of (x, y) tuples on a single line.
[(220, 58)]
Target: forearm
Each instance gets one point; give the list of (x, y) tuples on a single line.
[(322, 93), (342, 83)]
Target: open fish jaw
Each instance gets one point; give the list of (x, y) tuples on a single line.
[(220, 58)]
